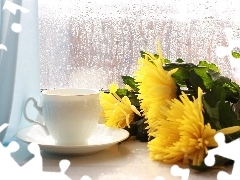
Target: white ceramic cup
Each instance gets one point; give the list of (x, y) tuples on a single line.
[(70, 115)]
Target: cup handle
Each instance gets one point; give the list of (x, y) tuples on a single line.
[(39, 109)]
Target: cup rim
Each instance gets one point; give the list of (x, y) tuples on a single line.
[(72, 92)]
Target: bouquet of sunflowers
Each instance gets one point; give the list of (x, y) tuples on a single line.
[(176, 107)]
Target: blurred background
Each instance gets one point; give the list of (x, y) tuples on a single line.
[(91, 43)]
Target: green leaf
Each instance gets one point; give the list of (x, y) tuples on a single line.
[(198, 81), (179, 60), (219, 112), (138, 129), (131, 82), (213, 74), (142, 134), (134, 99), (202, 72), (212, 102), (142, 54), (122, 92), (166, 61), (181, 76), (210, 66), (236, 55), (170, 66), (217, 94), (232, 89)]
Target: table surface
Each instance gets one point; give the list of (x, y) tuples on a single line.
[(128, 160)]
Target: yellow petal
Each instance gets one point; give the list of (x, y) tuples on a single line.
[(229, 130), (135, 110), (113, 88)]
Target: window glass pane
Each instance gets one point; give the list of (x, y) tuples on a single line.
[(92, 43)]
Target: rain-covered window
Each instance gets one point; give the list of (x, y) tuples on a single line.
[(91, 43)]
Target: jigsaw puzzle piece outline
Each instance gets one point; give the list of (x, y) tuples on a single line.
[(177, 171), (228, 150), (12, 7)]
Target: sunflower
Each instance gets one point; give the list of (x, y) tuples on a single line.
[(118, 112), (183, 135), (156, 86)]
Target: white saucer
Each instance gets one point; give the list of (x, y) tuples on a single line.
[(102, 138)]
